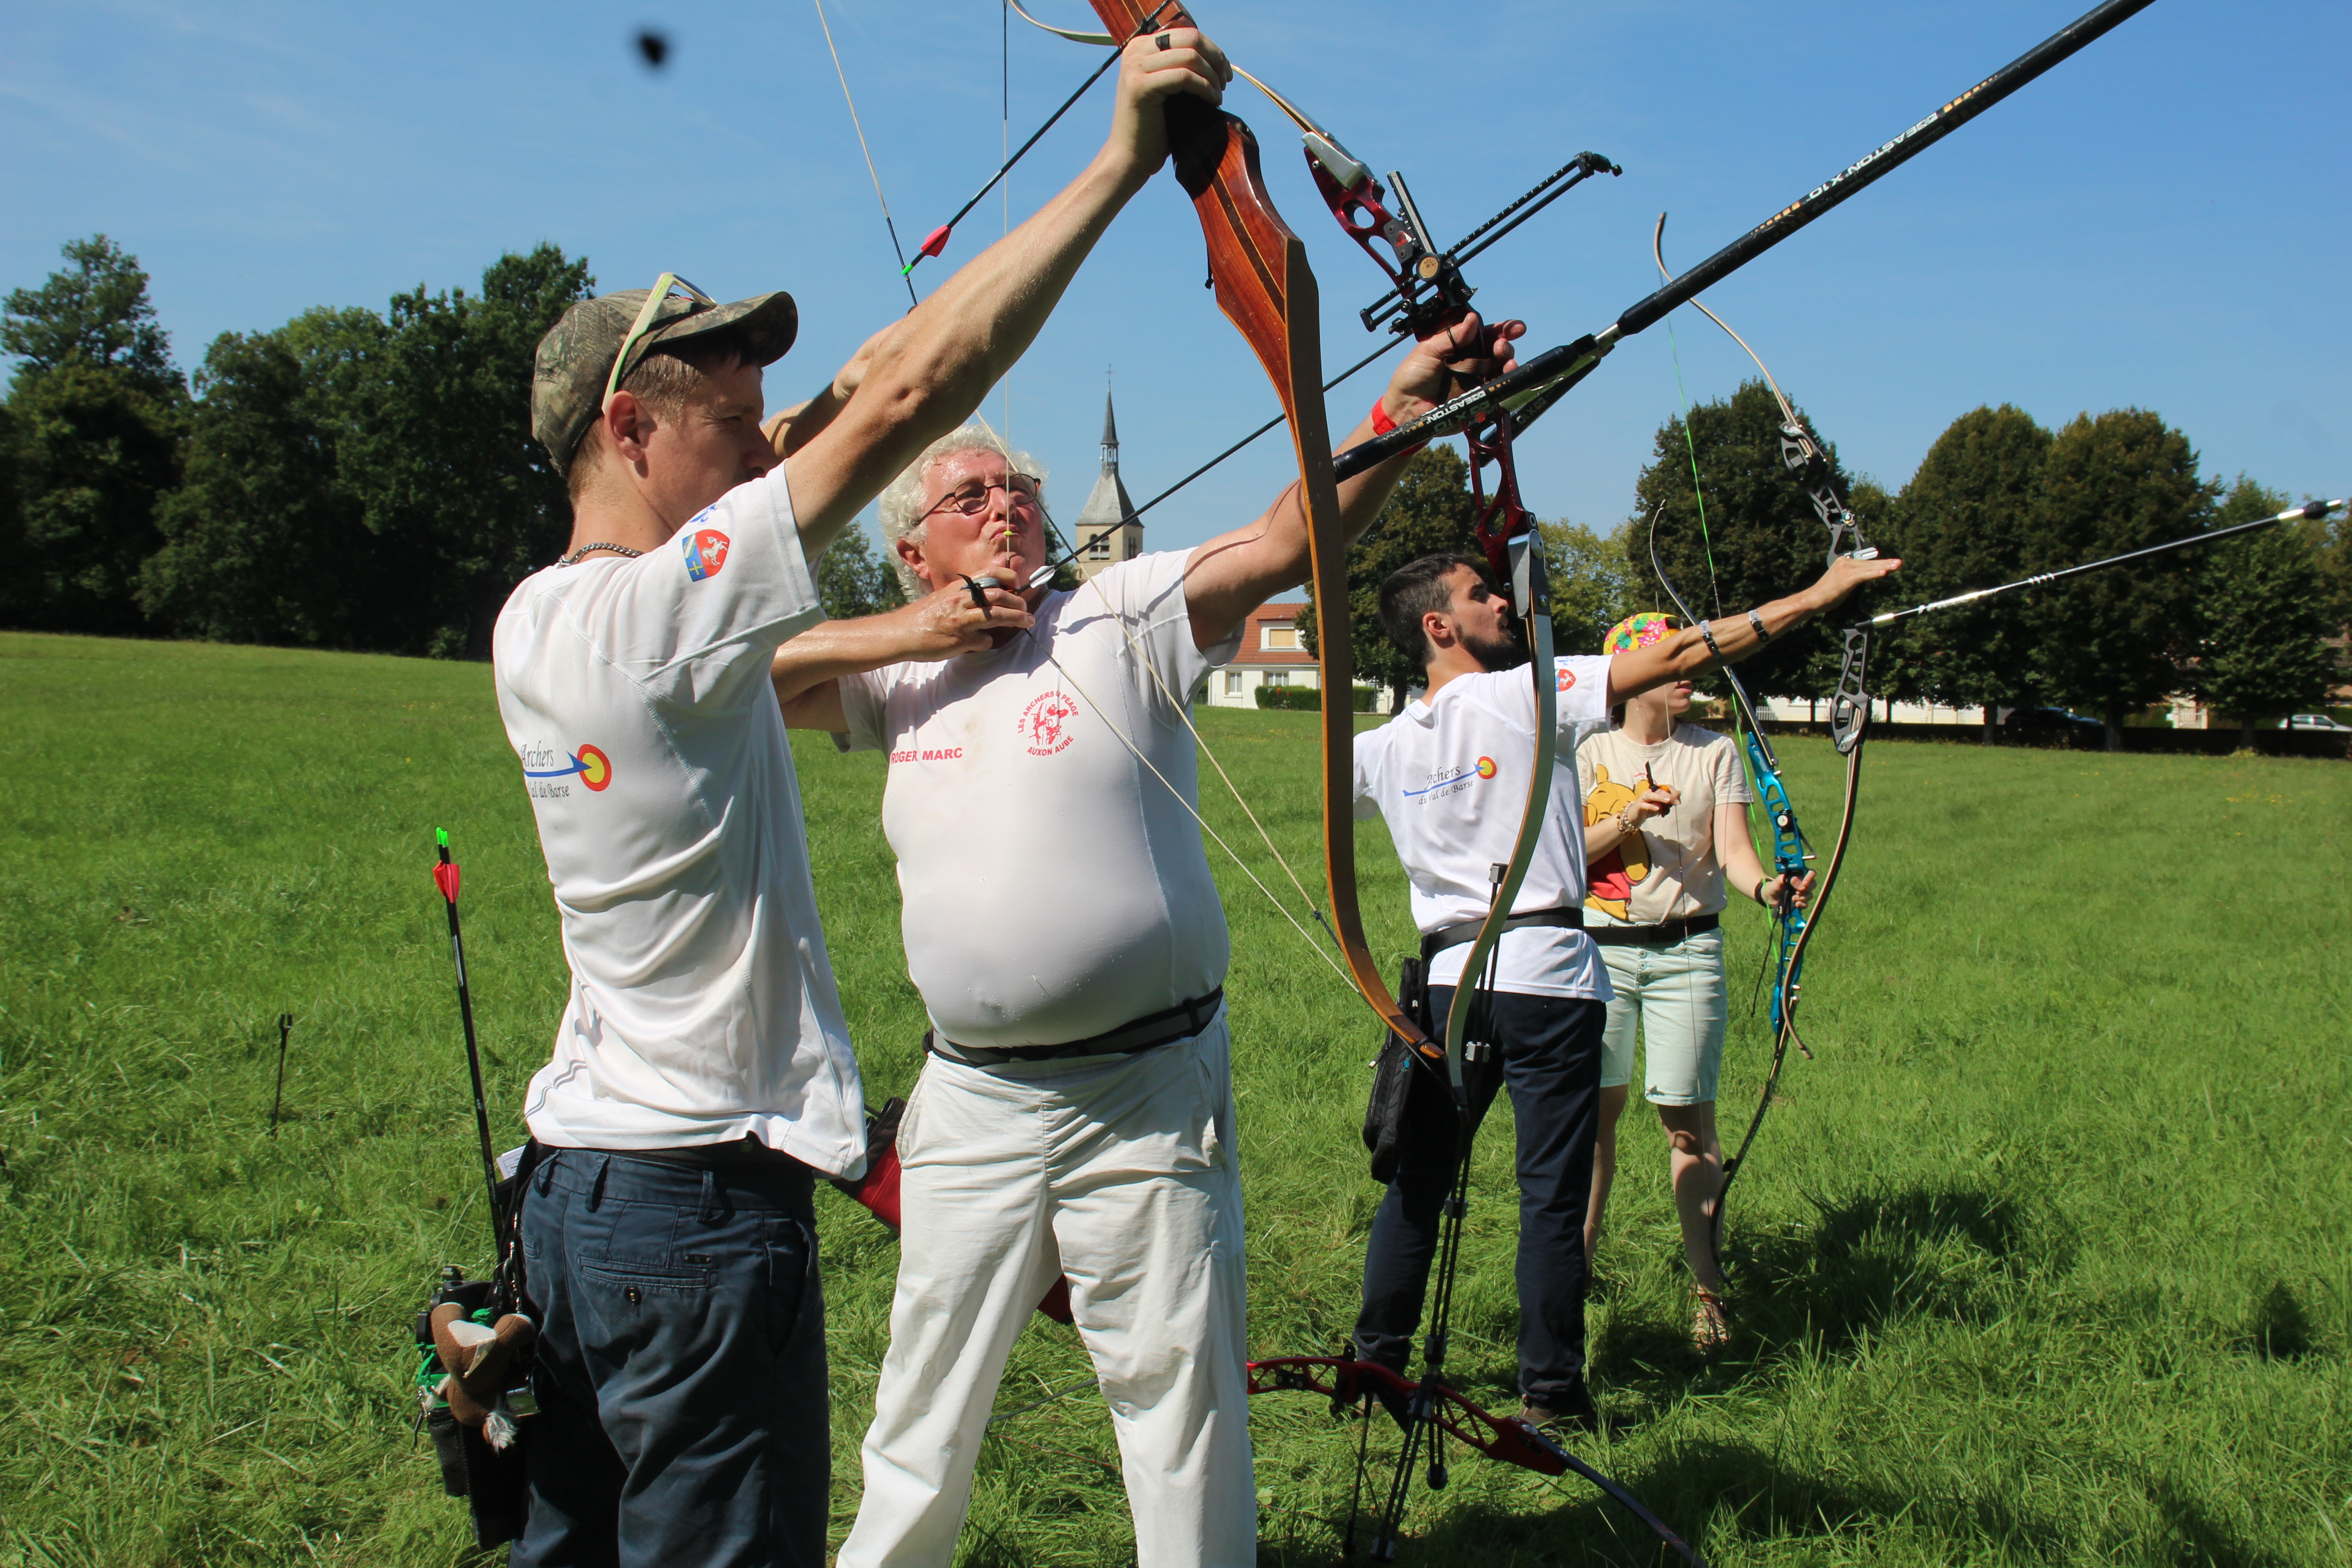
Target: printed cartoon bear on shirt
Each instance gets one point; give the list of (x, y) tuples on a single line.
[(1611, 879)]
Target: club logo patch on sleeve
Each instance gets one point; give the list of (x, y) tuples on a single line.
[(1567, 677), (706, 552)]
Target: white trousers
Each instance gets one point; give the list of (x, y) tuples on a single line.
[(1120, 1173)]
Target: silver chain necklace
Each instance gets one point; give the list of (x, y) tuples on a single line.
[(573, 559)]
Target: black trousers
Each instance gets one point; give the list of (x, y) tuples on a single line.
[(1548, 1052)]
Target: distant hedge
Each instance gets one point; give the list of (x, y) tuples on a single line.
[(1309, 699)]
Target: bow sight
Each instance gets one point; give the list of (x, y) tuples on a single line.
[(1426, 282)]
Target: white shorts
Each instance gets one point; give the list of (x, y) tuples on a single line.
[(1674, 997)]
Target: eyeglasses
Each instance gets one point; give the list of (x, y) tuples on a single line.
[(649, 320), (972, 500)]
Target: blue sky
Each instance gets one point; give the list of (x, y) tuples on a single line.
[(2156, 223)]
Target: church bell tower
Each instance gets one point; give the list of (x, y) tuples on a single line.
[(1105, 507)]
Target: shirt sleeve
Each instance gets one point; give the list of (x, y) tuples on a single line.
[(1581, 695), (1731, 787), (695, 621), (1369, 746), (863, 705), (1147, 596)]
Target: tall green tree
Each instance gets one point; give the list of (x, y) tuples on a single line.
[(2263, 615), (1962, 523), (15, 587), (1428, 512), (96, 313), (2114, 641), (853, 579), (1592, 584), (264, 542), (1759, 538), (95, 417), (440, 450)]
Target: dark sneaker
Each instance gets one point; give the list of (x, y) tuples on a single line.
[(1572, 1410)]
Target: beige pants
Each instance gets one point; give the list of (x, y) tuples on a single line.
[(1118, 1172)]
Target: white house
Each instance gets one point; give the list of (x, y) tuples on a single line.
[(1270, 655)]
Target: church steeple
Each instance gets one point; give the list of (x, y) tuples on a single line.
[(1105, 506)]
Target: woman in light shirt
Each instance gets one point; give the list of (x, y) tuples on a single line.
[(1666, 839)]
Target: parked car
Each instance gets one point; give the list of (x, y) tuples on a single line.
[(2048, 718), (2322, 721)]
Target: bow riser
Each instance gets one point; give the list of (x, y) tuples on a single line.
[(1508, 1438)]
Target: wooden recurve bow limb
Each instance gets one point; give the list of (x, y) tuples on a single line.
[(1266, 288)]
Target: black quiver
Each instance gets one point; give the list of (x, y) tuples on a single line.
[(491, 1481), (1400, 1086)]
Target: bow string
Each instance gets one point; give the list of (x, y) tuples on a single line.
[(1259, 270), (1848, 714), (1265, 287)]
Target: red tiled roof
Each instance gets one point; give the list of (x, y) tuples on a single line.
[(1254, 651)]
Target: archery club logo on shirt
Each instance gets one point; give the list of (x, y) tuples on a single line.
[(706, 552), (543, 765), (1567, 677), (1044, 724), (1453, 781)]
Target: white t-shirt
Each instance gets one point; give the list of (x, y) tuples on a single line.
[(1450, 777), (637, 694), (1053, 887), (1671, 870)]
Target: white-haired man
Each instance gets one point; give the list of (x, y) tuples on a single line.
[(702, 1076), (1075, 1115)]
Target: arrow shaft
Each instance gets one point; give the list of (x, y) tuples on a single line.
[(1876, 164), (474, 1068), (2292, 514)]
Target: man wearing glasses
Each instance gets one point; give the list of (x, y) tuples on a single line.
[(702, 1076), (1075, 1116)]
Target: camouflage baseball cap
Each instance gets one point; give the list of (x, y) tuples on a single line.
[(575, 358)]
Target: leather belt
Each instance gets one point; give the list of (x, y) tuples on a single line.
[(736, 1154), (1666, 933), (1570, 916), (1148, 1033)]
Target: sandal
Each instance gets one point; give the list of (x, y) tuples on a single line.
[(1710, 1320)]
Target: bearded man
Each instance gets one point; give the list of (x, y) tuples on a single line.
[(1427, 772), (1075, 1116), (702, 1076)]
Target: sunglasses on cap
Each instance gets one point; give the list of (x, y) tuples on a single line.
[(649, 320)]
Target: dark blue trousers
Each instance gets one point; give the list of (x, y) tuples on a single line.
[(1548, 1050), (681, 1374)]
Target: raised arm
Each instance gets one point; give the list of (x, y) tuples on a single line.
[(1235, 574), (1686, 653), (923, 377)]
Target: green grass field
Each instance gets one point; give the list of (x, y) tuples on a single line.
[(2044, 1260)]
